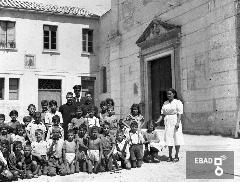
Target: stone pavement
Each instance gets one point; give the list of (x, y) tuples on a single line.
[(163, 171)]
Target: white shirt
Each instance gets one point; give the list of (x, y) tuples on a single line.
[(32, 127), (49, 115), (121, 145), (39, 148), (57, 148), (172, 108), (135, 138), (2, 159), (93, 122), (49, 133)]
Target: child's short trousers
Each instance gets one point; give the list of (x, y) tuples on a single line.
[(94, 155), (70, 157), (81, 155), (136, 152)]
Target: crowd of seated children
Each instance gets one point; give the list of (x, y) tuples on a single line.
[(95, 142)]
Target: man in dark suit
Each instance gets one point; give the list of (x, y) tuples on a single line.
[(77, 100)]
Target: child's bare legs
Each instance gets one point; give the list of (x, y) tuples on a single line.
[(72, 168), (170, 153), (177, 147), (95, 169), (90, 166), (84, 166)]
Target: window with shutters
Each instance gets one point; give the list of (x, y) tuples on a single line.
[(1, 88), (7, 34), (13, 88), (87, 40), (104, 79), (50, 37)]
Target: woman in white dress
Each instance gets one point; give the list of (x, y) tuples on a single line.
[(172, 111)]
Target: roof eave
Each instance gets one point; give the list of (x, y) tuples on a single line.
[(46, 12)]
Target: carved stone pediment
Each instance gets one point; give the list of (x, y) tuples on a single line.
[(158, 30)]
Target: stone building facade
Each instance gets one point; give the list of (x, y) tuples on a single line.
[(190, 45), (44, 51)]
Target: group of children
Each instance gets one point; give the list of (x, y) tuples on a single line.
[(94, 142)]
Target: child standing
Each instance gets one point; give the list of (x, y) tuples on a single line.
[(121, 153), (55, 154), (153, 144), (91, 119), (69, 152), (52, 112), (95, 150), (77, 120), (4, 134), (2, 118), (20, 135), (136, 141), (112, 120), (39, 152), (27, 120), (82, 147), (33, 126), (108, 145), (44, 104), (14, 122), (122, 128), (31, 111), (56, 124), (135, 115)]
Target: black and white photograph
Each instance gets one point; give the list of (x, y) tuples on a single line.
[(119, 90)]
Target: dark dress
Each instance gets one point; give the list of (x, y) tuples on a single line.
[(68, 112)]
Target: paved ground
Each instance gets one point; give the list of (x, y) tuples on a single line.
[(163, 171)]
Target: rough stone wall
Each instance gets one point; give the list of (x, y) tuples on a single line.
[(208, 83)]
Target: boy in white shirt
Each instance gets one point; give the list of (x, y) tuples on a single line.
[(39, 152), (136, 141)]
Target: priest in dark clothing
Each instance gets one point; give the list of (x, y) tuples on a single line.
[(68, 110)]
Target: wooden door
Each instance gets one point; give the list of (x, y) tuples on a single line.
[(49, 90), (161, 79)]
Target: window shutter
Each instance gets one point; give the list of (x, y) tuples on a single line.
[(11, 34), (104, 77), (3, 33)]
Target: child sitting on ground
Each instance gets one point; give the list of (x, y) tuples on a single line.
[(5, 174), (135, 139), (69, 150), (39, 152), (94, 150), (82, 147), (30, 166), (121, 152), (108, 145), (55, 156), (55, 124), (153, 144), (16, 160)]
